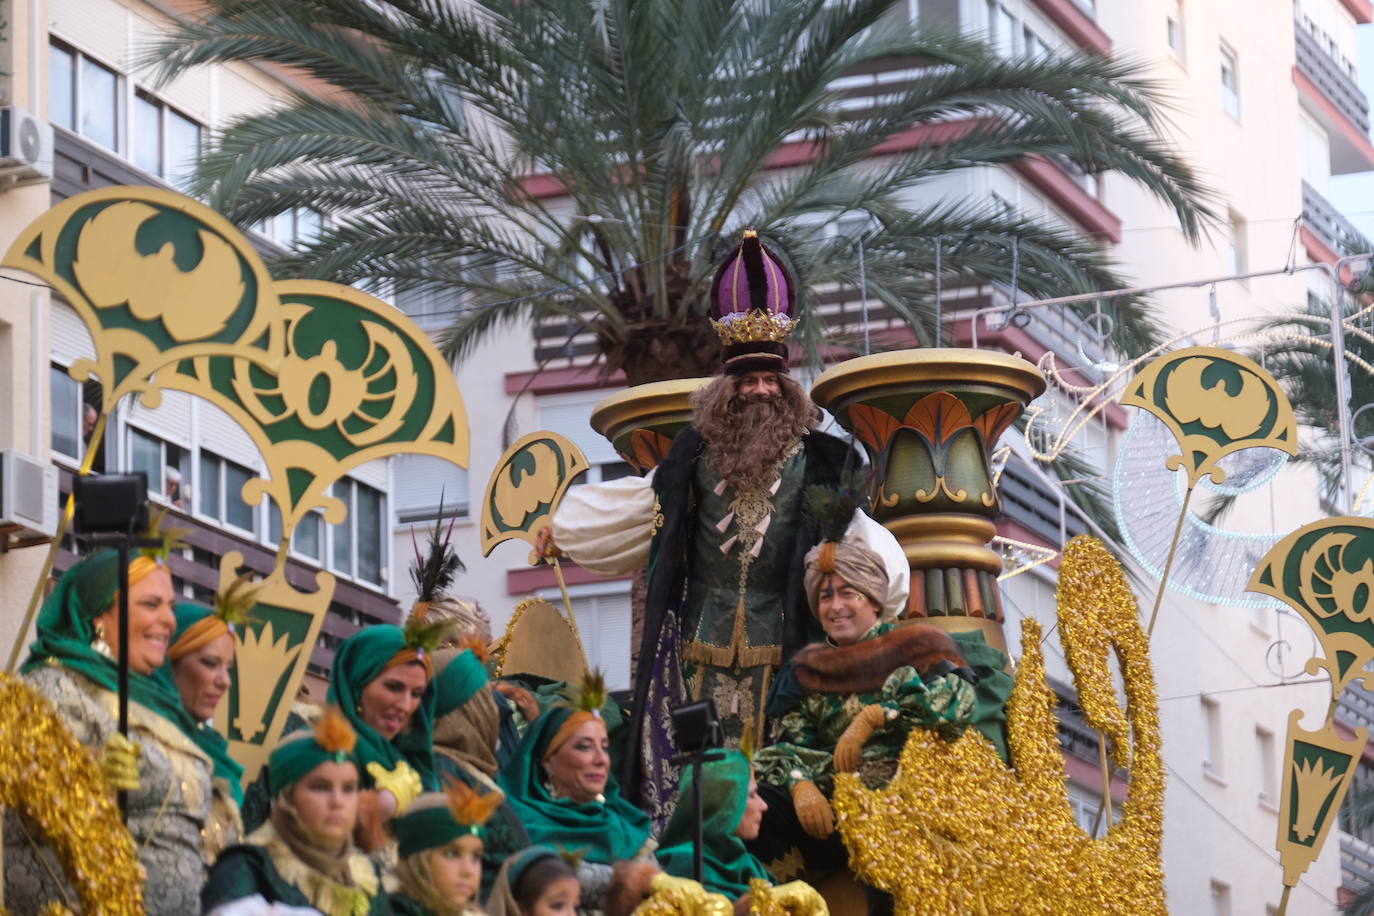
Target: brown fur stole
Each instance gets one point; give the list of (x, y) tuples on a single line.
[(865, 665)]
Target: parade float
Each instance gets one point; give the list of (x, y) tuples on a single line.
[(325, 377)]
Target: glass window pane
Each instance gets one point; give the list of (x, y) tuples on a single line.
[(66, 412), (308, 535), (343, 534), (369, 534), (273, 522), (284, 227), (61, 88), (147, 135), (99, 103), (183, 148), (308, 225), (236, 511), (209, 486), (145, 454)]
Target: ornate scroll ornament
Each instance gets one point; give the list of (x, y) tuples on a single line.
[(1325, 572), (526, 487), (358, 381), (53, 781), (975, 836), (156, 278), (1215, 402), (1317, 770)]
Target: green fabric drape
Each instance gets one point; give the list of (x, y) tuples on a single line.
[(457, 681), (215, 745), (726, 865), (608, 831), (360, 660), (65, 633)]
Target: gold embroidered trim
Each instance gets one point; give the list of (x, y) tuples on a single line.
[(656, 522), (704, 653)]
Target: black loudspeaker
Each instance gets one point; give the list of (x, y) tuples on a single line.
[(696, 727), (112, 503)]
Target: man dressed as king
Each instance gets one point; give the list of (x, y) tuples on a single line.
[(720, 525)]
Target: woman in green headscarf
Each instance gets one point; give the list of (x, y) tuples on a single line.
[(201, 659), (304, 855), (732, 812), (559, 783), (162, 766)]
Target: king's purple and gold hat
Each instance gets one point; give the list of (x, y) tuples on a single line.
[(752, 299)]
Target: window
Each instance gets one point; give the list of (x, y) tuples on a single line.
[(299, 225), (68, 413), (423, 482), (166, 143), (431, 307), (1237, 259), (604, 624), (83, 95), (221, 493), (168, 466), (1001, 29), (359, 544), (1268, 789), (1173, 27), (1230, 83), (571, 416), (1211, 727), (308, 538), (1032, 45)]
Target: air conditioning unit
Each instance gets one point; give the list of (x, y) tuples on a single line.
[(28, 495), (25, 147)]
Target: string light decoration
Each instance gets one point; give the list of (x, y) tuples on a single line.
[(957, 831), (51, 780)]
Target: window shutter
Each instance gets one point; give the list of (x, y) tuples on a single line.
[(573, 419), (421, 479)]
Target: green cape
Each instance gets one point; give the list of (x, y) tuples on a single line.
[(726, 865), (361, 658), (65, 633), (215, 745), (608, 831)]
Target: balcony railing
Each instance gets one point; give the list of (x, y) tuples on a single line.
[(1330, 226), (1357, 863), (1334, 82)]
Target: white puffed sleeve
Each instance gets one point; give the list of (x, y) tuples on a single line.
[(878, 539), (606, 527)]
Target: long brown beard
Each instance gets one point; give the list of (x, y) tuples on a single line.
[(747, 438)]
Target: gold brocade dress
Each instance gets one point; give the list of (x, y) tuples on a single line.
[(169, 814)]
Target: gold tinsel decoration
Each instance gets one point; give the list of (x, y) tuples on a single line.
[(956, 831), (53, 781)]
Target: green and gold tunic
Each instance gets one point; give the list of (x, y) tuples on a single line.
[(808, 733)]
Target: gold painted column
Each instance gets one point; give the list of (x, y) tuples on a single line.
[(929, 419)]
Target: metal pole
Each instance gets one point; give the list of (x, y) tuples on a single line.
[(1342, 386), (863, 302), (939, 305), (697, 828), (123, 549)]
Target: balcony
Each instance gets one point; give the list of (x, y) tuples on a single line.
[(1357, 863), (1329, 227), (1333, 97)]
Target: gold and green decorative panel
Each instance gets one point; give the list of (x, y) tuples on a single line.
[(526, 487), (1317, 770), (1215, 402)]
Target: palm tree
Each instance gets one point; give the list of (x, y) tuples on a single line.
[(661, 122)]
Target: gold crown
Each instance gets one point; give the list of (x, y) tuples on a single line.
[(755, 326)]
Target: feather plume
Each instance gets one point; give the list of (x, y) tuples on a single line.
[(426, 636), (437, 565), (746, 743), (235, 604), (470, 807), (591, 695), (169, 539), (573, 857), (334, 733), (475, 644), (832, 508)]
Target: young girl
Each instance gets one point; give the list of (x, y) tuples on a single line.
[(535, 882), (440, 843), (304, 855)]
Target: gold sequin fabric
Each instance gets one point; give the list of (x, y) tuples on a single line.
[(166, 813), (956, 831), (52, 781)]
